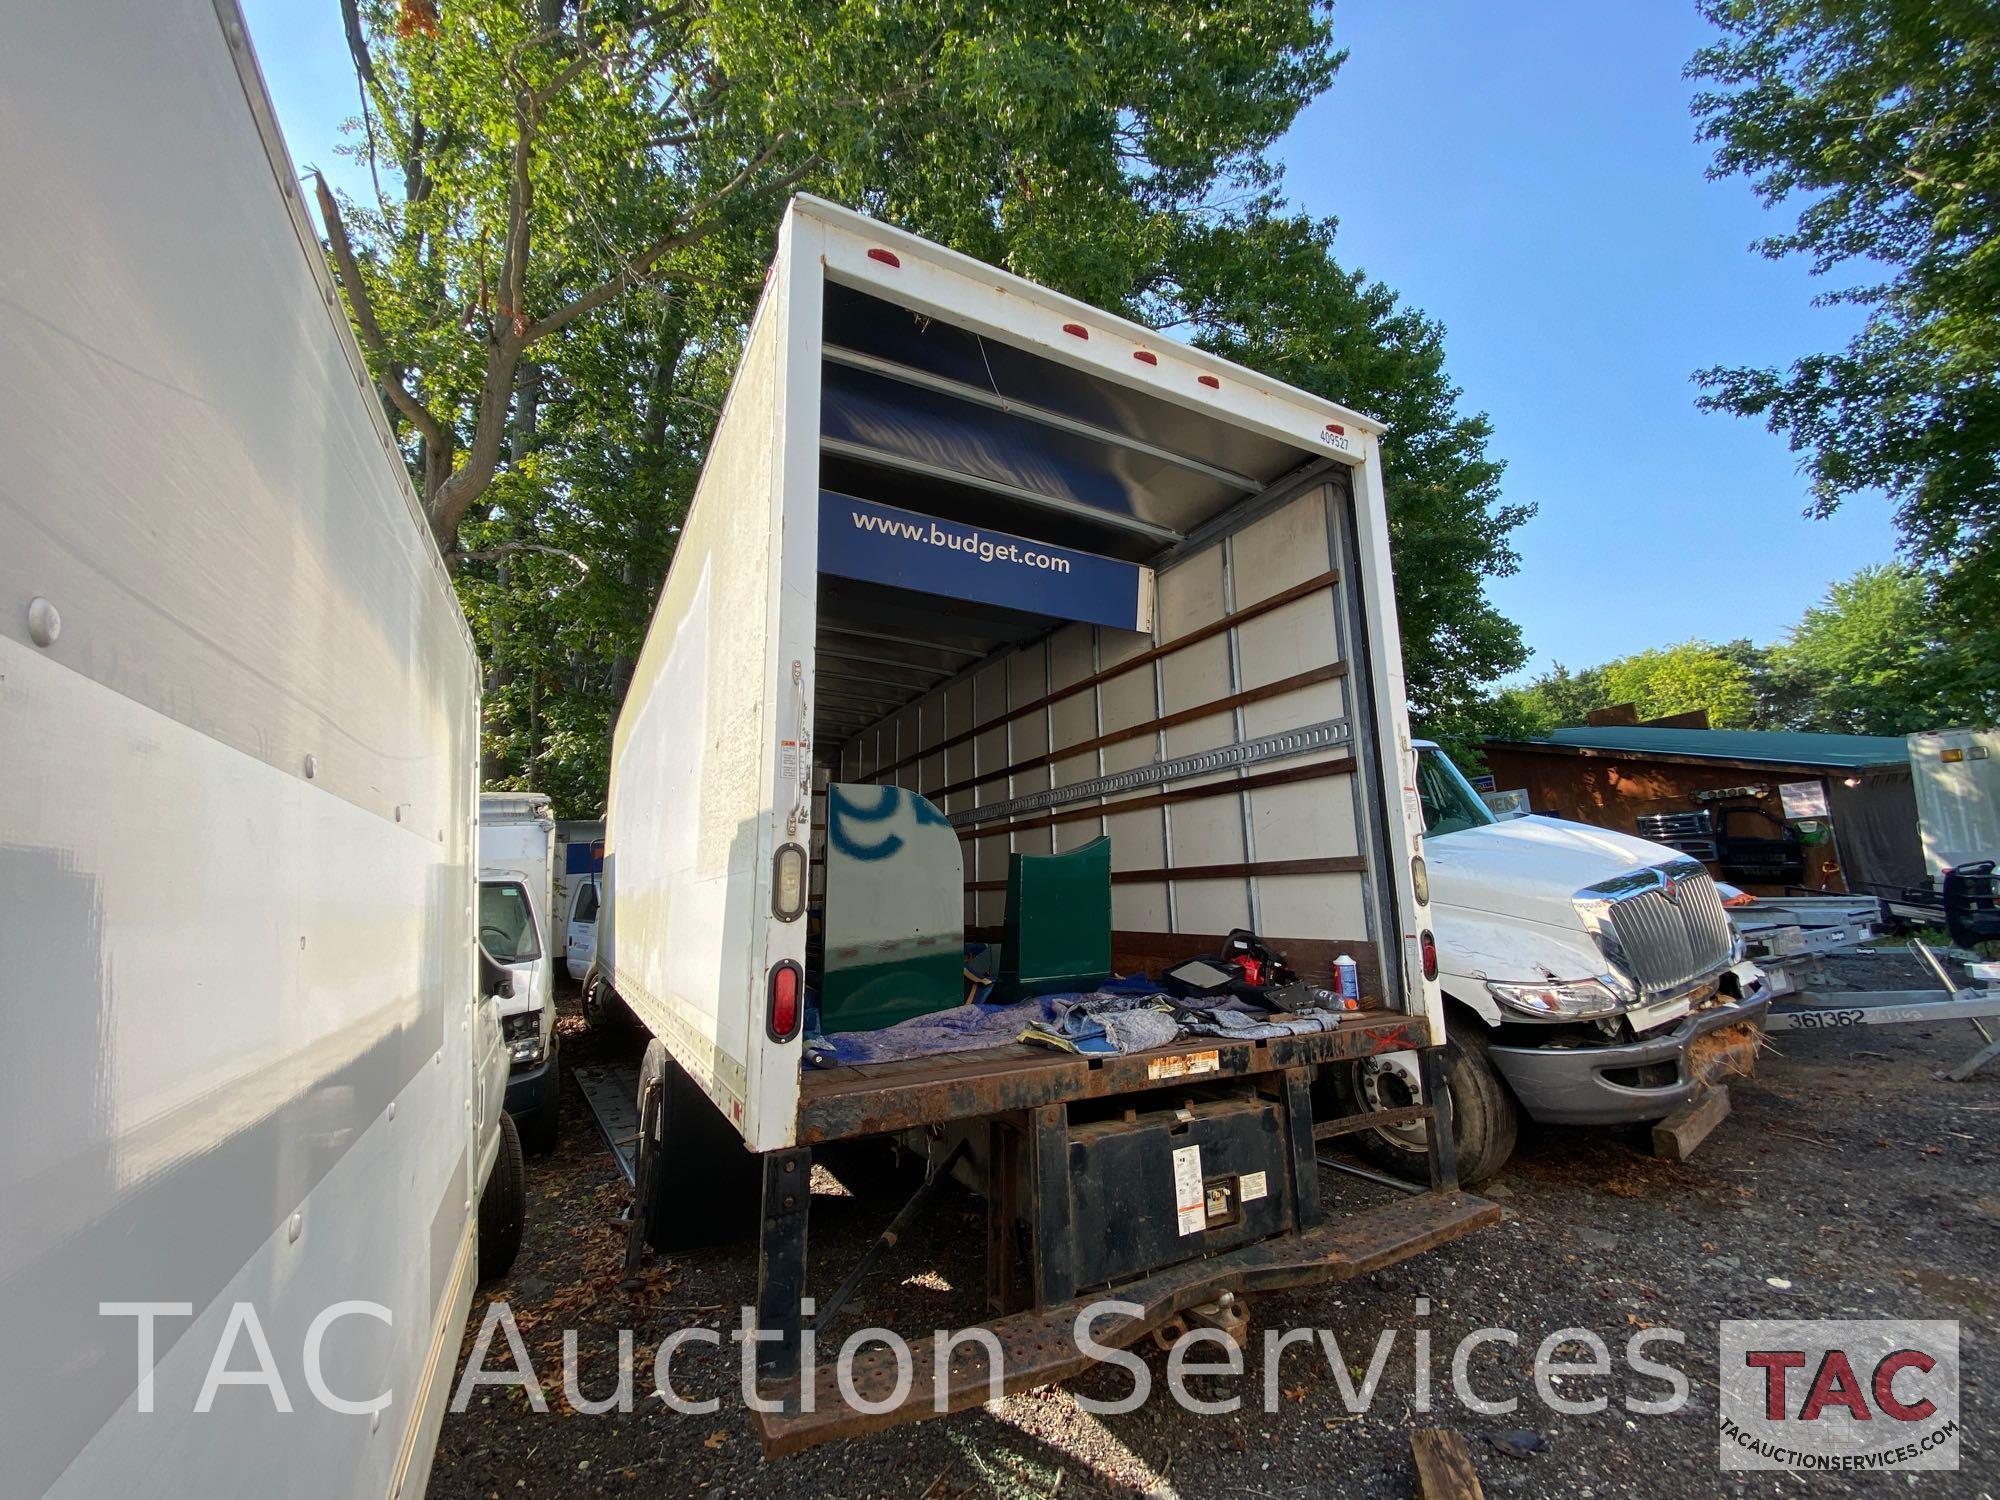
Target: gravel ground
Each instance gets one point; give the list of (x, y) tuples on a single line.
[(1847, 1183)]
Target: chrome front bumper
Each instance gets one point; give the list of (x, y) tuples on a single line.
[(1601, 1085)]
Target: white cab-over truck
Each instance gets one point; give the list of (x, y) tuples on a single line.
[(253, 1090), (1589, 978), (978, 553), (517, 854)]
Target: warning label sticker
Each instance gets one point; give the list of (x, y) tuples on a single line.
[(1188, 1202), (1255, 1186), (1184, 1066)]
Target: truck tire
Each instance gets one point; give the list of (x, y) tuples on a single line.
[(1485, 1121), (701, 1184), (503, 1206)]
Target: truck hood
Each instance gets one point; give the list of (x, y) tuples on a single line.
[(1530, 869)]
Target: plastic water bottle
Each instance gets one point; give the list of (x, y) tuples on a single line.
[(1348, 978)]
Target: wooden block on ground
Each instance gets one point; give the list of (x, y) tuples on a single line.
[(1676, 1137), (1444, 1465)]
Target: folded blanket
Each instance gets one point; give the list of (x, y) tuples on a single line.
[(1102, 1024), (1252, 1026), (1132, 1012)]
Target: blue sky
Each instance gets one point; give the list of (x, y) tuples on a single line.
[(1527, 174)]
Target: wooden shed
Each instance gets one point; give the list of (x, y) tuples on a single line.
[(1768, 811)]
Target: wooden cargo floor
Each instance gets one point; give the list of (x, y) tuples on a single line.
[(867, 1098)]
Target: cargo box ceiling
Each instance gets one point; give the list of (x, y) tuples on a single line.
[(928, 417)]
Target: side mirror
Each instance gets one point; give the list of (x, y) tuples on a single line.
[(495, 979)]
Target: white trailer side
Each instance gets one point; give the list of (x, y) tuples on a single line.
[(238, 770), (1956, 773), (1057, 576), (727, 712)]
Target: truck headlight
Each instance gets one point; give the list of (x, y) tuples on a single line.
[(1570, 999), (523, 1033)]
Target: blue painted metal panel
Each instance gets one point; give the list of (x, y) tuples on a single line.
[(881, 544)]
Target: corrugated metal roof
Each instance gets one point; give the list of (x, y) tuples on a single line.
[(1780, 747)]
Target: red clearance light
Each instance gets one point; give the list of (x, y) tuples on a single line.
[(1336, 429), (887, 257), (1210, 381), (1077, 329), (783, 1018), (1429, 947), (1146, 356)]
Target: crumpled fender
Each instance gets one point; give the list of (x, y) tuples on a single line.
[(1475, 946)]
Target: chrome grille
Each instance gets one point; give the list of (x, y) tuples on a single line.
[(1665, 942)]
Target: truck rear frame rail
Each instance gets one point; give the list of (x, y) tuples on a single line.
[(1055, 1215)]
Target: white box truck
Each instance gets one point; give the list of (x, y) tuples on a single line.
[(976, 552), (253, 1090), (579, 853), (517, 925), (1589, 978)]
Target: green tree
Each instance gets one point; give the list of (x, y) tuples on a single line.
[(536, 161), (1558, 699), (572, 205), (1681, 679), (1878, 656), (1263, 288), (1883, 116)]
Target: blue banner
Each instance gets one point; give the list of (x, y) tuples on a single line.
[(881, 544)]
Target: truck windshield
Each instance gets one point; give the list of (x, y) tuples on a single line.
[(1450, 803), (507, 922)]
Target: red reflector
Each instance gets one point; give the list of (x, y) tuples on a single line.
[(1429, 945), (1210, 381), (1336, 429), (783, 1017), (887, 257), (1146, 356), (1078, 329)]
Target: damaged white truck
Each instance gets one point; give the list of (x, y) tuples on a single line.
[(1011, 647), (1589, 978)]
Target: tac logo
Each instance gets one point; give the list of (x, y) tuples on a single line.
[(1839, 1396)]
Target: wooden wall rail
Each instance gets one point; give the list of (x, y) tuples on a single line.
[(1001, 827), (1131, 664), (1328, 673)]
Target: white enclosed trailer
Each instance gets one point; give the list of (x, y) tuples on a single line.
[(252, 1088), (1061, 578), (1956, 773)]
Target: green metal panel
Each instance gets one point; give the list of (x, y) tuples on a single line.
[(1058, 922), (895, 910)]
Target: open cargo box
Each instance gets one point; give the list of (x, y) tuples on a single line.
[(1211, 678)]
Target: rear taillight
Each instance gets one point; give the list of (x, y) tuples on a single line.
[(785, 1011), (788, 883), (1428, 946)]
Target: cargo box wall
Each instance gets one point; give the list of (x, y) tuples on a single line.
[(710, 770), (238, 772), (891, 392), (1249, 645)]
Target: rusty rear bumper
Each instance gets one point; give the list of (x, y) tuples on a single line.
[(1041, 1347)]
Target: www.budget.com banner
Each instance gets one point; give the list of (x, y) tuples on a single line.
[(874, 543)]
